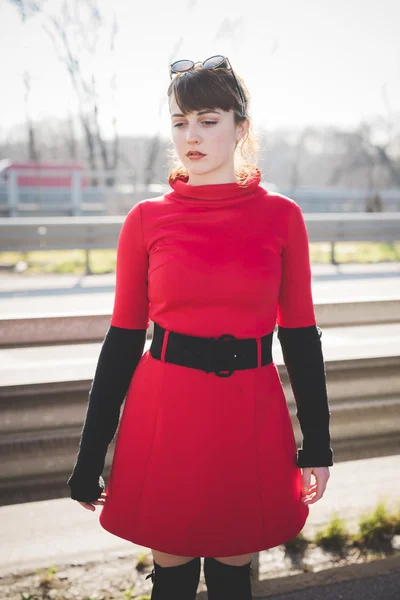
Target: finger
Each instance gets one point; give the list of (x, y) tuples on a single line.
[(87, 505), (314, 500), (317, 495), (309, 498), (311, 489), (306, 479)]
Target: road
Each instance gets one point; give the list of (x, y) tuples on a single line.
[(362, 587), (48, 294)]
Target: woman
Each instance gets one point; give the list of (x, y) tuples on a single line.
[(205, 462)]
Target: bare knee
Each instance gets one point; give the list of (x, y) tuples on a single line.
[(170, 560), (236, 561)]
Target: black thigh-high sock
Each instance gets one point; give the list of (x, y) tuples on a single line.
[(227, 582), (177, 583)]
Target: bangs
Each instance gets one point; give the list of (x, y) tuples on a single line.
[(201, 89)]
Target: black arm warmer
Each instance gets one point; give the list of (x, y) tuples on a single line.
[(120, 353), (304, 361)]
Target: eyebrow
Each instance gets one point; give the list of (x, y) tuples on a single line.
[(200, 112)]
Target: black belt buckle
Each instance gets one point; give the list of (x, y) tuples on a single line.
[(214, 357)]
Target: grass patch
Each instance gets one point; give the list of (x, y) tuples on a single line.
[(103, 260), (334, 537), (297, 545), (358, 252), (61, 261), (377, 528), (142, 562)]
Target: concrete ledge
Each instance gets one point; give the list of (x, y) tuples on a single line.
[(40, 424), (79, 328)]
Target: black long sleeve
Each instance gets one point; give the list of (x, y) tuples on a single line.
[(120, 353), (304, 361)]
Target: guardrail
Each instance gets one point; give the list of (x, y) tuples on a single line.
[(87, 233), (41, 191), (40, 424), (334, 199), (69, 190), (80, 328)]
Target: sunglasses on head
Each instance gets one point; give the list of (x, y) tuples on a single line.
[(214, 62)]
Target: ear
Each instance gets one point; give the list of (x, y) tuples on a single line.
[(241, 129)]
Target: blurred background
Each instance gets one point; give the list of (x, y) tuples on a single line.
[(84, 135), (84, 88)]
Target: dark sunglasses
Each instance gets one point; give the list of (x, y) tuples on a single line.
[(214, 62)]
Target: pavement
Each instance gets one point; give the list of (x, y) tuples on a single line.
[(49, 294), (71, 362), (25, 295)]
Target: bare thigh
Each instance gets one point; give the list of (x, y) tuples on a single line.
[(236, 561), (170, 560)]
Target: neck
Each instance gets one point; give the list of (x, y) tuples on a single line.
[(213, 177)]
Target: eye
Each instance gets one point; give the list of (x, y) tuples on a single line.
[(210, 122), (178, 124)]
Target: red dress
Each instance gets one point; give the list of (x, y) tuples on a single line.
[(206, 465)]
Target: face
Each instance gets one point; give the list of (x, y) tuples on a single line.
[(213, 135)]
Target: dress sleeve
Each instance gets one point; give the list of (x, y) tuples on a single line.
[(300, 340), (295, 304), (119, 356), (131, 302)]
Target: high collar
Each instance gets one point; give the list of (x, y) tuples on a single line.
[(215, 194)]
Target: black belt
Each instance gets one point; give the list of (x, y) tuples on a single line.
[(221, 356)]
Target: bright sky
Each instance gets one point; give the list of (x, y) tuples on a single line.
[(305, 62)]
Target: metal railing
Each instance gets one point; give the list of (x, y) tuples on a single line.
[(85, 192), (87, 233)]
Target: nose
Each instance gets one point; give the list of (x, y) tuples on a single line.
[(193, 134)]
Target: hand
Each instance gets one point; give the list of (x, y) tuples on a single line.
[(313, 493), (91, 505)]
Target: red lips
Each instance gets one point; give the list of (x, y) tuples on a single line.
[(195, 153)]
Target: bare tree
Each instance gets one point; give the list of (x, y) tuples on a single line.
[(75, 31), (155, 143), (26, 8), (299, 150), (372, 146), (71, 141), (33, 152), (72, 36)]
